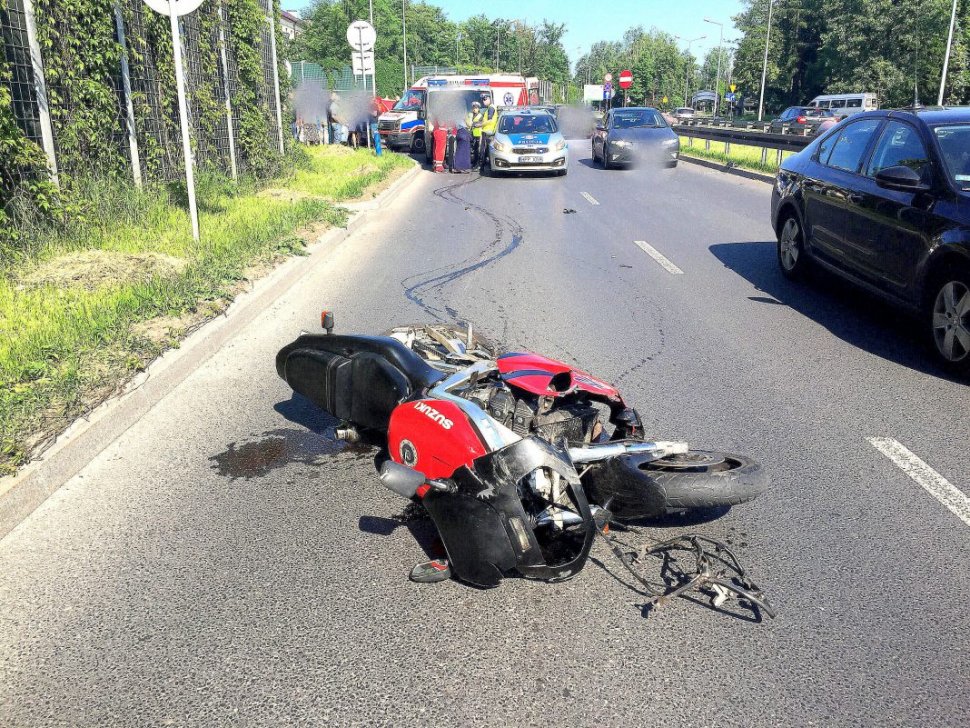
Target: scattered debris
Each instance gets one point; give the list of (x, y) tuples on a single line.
[(568, 211)]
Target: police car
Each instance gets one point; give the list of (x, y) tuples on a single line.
[(527, 141)]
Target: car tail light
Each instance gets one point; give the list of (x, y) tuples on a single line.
[(801, 119)]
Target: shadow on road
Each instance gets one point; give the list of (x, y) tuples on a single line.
[(856, 317)]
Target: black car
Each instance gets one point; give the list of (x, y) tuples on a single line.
[(635, 134), (800, 118), (883, 199)]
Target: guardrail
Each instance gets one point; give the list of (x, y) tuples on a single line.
[(750, 137)]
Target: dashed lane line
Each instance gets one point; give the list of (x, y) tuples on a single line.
[(659, 257), (931, 481), (590, 199)]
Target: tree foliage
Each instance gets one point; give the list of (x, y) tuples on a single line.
[(478, 44)]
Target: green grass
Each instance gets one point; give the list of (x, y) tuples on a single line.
[(68, 339), (742, 155)]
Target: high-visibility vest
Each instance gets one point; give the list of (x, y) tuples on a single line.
[(491, 119), (471, 119)]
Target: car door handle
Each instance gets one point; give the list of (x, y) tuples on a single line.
[(855, 198)]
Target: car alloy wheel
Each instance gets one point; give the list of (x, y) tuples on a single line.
[(791, 252), (951, 327)]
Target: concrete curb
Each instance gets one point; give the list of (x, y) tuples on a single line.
[(720, 167), (80, 443)]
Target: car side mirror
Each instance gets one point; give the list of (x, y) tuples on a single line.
[(902, 178), (600, 127)]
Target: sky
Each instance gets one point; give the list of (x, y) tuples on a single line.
[(588, 21)]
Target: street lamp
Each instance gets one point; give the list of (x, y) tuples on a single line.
[(717, 78), (764, 68), (404, 34), (687, 69), (946, 58), (457, 51)]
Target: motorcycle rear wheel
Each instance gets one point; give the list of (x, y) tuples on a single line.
[(632, 486)]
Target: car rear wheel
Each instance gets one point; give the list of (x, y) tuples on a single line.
[(949, 318), (791, 248)]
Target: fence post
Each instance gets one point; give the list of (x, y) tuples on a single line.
[(225, 83), (40, 88), (778, 157), (727, 147), (276, 75), (764, 155), (129, 107)]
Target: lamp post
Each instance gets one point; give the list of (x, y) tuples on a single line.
[(457, 50), (404, 34), (717, 78), (687, 70), (946, 58), (764, 68)]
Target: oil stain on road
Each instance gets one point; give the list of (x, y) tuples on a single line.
[(277, 448)]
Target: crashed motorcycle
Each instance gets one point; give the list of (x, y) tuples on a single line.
[(520, 460)]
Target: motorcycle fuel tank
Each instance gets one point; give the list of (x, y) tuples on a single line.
[(550, 378), (433, 436)]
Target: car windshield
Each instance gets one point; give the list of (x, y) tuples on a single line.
[(954, 144), (411, 101), (635, 118), (527, 124)]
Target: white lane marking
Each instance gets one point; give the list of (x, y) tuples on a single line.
[(590, 198), (933, 483), (659, 257)]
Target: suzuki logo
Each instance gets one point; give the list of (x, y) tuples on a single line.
[(433, 414)]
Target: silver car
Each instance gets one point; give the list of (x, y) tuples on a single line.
[(528, 141)]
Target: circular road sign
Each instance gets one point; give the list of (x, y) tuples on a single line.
[(626, 79), (361, 35), (608, 77), (181, 7)]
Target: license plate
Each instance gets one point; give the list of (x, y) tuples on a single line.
[(530, 159)]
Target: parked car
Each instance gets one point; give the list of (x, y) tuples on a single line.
[(635, 134), (799, 118), (883, 199), (528, 141)]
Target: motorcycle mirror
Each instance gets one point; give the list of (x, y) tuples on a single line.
[(401, 479)]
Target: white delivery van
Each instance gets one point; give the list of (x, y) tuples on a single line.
[(846, 104)]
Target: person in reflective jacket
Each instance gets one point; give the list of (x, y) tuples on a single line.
[(489, 123)]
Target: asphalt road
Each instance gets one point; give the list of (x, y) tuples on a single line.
[(226, 563)]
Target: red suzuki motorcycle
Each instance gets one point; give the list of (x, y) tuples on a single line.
[(520, 460)]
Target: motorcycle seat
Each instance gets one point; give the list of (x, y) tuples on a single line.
[(360, 379)]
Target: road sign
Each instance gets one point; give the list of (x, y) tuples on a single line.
[(626, 79), (363, 63), (361, 35), (181, 7), (663, 100), (733, 87), (607, 91), (729, 97), (607, 78)]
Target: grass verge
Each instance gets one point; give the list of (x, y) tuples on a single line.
[(93, 302), (741, 155)]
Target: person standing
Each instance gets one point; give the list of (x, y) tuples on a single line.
[(489, 124), (473, 121), (440, 137), (462, 162)]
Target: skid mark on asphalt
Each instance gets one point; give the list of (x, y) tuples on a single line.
[(425, 289), (930, 480), (659, 257), (590, 199)]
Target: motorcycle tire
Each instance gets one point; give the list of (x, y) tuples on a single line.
[(632, 486)]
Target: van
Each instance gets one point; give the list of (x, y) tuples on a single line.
[(846, 104)]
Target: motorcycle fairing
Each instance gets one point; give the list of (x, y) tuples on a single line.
[(547, 377), (433, 436), (484, 525)]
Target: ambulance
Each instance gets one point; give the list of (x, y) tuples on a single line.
[(404, 126)]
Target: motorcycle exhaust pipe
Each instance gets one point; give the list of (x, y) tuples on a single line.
[(659, 449), (347, 433)]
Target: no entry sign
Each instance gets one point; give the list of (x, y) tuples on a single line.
[(626, 79)]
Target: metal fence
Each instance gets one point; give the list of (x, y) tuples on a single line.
[(779, 143), (145, 131)]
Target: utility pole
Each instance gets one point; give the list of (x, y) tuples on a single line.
[(404, 33), (688, 64), (946, 58), (717, 78), (764, 68)]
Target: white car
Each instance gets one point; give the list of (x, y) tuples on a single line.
[(528, 141)]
